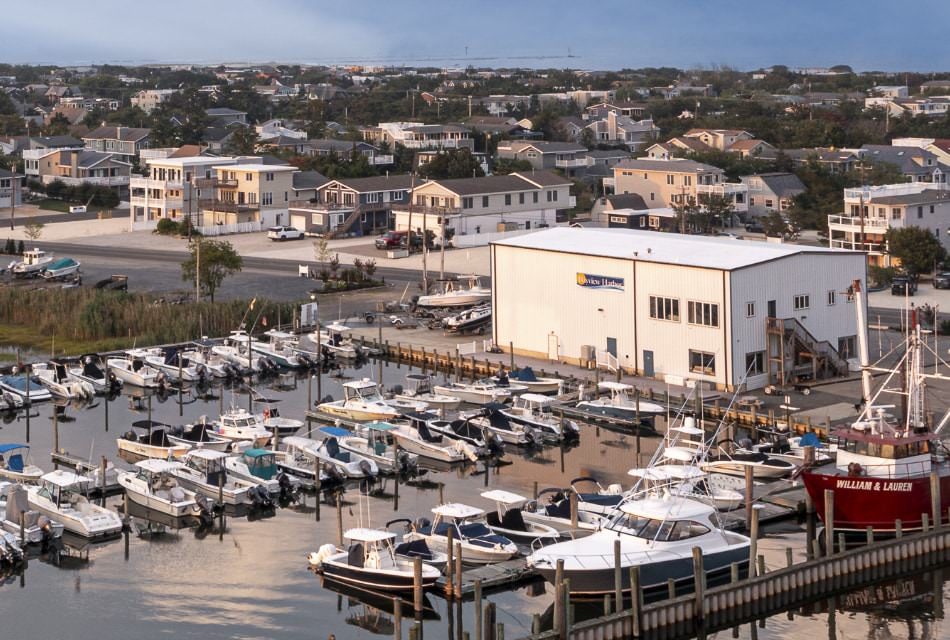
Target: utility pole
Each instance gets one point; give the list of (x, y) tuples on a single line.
[(198, 270), (14, 183)]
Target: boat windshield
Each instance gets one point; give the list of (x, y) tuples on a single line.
[(890, 450), (661, 530)]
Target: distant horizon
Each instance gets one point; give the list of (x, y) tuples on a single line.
[(869, 35)]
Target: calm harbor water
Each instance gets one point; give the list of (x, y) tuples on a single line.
[(251, 580)]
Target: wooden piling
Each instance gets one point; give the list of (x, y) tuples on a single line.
[(450, 564), (898, 529), (458, 570), (397, 621), (753, 541), (749, 485), (478, 608), (935, 498), (488, 624), (417, 585), (699, 582), (670, 588), (573, 504), (339, 519), (829, 522), (789, 560), (618, 575), (636, 600)]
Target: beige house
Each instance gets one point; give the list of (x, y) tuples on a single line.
[(149, 99), (258, 194), (77, 166), (720, 139), (664, 183)]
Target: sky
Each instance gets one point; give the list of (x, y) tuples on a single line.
[(868, 35)]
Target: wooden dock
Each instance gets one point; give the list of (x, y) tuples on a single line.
[(493, 577)]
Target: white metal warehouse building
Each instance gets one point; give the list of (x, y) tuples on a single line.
[(674, 306)]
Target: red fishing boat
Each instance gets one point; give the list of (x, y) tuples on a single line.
[(890, 465)]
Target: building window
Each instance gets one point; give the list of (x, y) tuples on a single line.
[(521, 198), (702, 362), (643, 221), (755, 363), (270, 177), (920, 212), (654, 222), (847, 346), (751, 202), (749, 309), (554, 195), (705, 314), (769, 204), (466, 203), (895, 214), (669, 179), (394, 195), (535, 194), (688, 180), (484, 201), (267, 198), (664, 308), (247, 177), (800, 302), (652, 196), (374, 197), (831, 297), (507, 199), (931, 208)]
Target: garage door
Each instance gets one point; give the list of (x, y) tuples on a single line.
[(298, 221)]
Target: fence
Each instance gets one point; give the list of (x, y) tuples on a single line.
[(473, 347), (482, 239), (228, 229)]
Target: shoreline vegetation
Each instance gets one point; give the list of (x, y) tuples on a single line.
[(70, 322)]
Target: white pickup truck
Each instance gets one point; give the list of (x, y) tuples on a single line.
[(284, 233)]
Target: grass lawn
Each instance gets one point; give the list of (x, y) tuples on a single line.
[(50, 204), (19, 336)]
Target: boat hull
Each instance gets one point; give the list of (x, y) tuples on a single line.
[(151, 451), (356, 414), (397, 581), (426, 450), (761, 471)]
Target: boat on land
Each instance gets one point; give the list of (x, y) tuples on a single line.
[(371, 561), (479, 544), (464, 291), (61, 496), (32, 263), (61, 268), (474, 320)]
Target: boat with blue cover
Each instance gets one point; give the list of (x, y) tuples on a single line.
[(61, 268), (15, 464), (479, 545), (29, 388)]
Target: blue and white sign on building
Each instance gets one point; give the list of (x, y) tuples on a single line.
[(591, 281)]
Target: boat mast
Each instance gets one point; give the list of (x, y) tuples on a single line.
[(862, 341)]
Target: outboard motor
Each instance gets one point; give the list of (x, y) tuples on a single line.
[(366, 468), (494, 443), (46, 526), (533, 437), (405, 465), (260, 499), (202, 372), (206, 510), (288, 492)]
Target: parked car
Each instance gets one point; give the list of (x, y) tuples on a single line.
[(754, 226), (284, 233), (903, 285), (942, 280), (397, 240)]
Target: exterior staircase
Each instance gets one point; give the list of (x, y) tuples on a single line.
[(795, 354)]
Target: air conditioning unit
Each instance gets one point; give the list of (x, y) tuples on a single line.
[(588, 352)]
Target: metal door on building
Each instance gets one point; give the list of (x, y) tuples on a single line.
[(772, 310), (553, 348), (648, 363), (612, 346)]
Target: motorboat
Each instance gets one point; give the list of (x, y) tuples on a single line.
[(14, 467), (763, 465), (240, 425), (478, 544), (474, 319), (405, 406), (508, 519), (61, 268), (373, 441), (465, 291), (31, 264), (477, 392), (658, 536), (54, 375), (29, 389), (15, 509), (235, 350), (204, 471), (132, 369), (418, 439), (346, 463), (173, 363), (61, 497), (526, 377), (298, 462), (281, 348), (259, 466), (492, 419), (154, 444), (361, 402), (419, 388), (621, 403), (271, 420), (200, 435), (153, 485), (534, 410), (92, 370), (555, 512), (602, 502), (371, 562), (11, 554), (687, 481), (333, 343), (484, 442), (216, 365), (10, 401), (781, 446)]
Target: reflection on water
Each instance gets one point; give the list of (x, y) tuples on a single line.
[(247, 575)]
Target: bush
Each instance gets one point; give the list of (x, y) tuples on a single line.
[(167, 227), (881, 276), (10, 246), (20, 248)]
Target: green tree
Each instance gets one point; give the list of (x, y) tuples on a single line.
[(58, 126), (243, 142), (687, 213), (504, 166), (917, 249), (33, 230), (774, 225), (452, 163), (215, 260)]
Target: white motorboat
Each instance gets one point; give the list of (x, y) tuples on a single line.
[(621, 403), (54, 375), (281, 348), (763, 465), (332, 342), (214, 363), (345, 462), (240, 425), (361, 402), (90, 369), (32, 263), (11, 555), (474, 320), (526, 377), (686, 481), (204, 471), (492, 419), (780, 446), (371, 562), (479, 545), (508, 519), (175, 365), (200, 435), (271, 420), (30, 389), (478, 392), (258, 466), (14, 505), (153, 485), (465, 291), (657, 535), (534, 410), (236, 351), (419, 388), (59, 269), (416, 438), (154, 444), (373, 441), (556, 513), (61, 496), (15, 464), (132, 369), (481, 439)]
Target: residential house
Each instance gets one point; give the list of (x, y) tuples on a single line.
[(343, 149), (932, 107), (249, 196), (664, 183), (417, 135), (622, 130), (870, 211), (75, 167), (426, 156), (503, 105), (357, 206), (935, 85), (296, 146), (629, 211), (720, 139), (599, 110), (306, 186), (278, 128), (123, 142), (566, 156), (54, 142), (774, 191), (753, 149), (11, 189), (216, 139), (476, 209), (73, 115), (225, 116), (917, 165), (890, 91), (572, 126), (601, 162), (827, 158), (678, 147), (494, 125)]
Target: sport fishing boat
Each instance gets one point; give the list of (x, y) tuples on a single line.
[(419, 388), (54, 375), (239, 425), (29, 389), (14, 505), (32, 263), (361, 402), (621, 403), (465, 291), (479, 545), (153, 444), (91, 369), (13, 467), (509, 519), (373, 441), (372, 562), (884, 463), (658, 536), (132, 369), (332, 342), (686, 481), (200, 435), (61, 496), (153, 485)]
